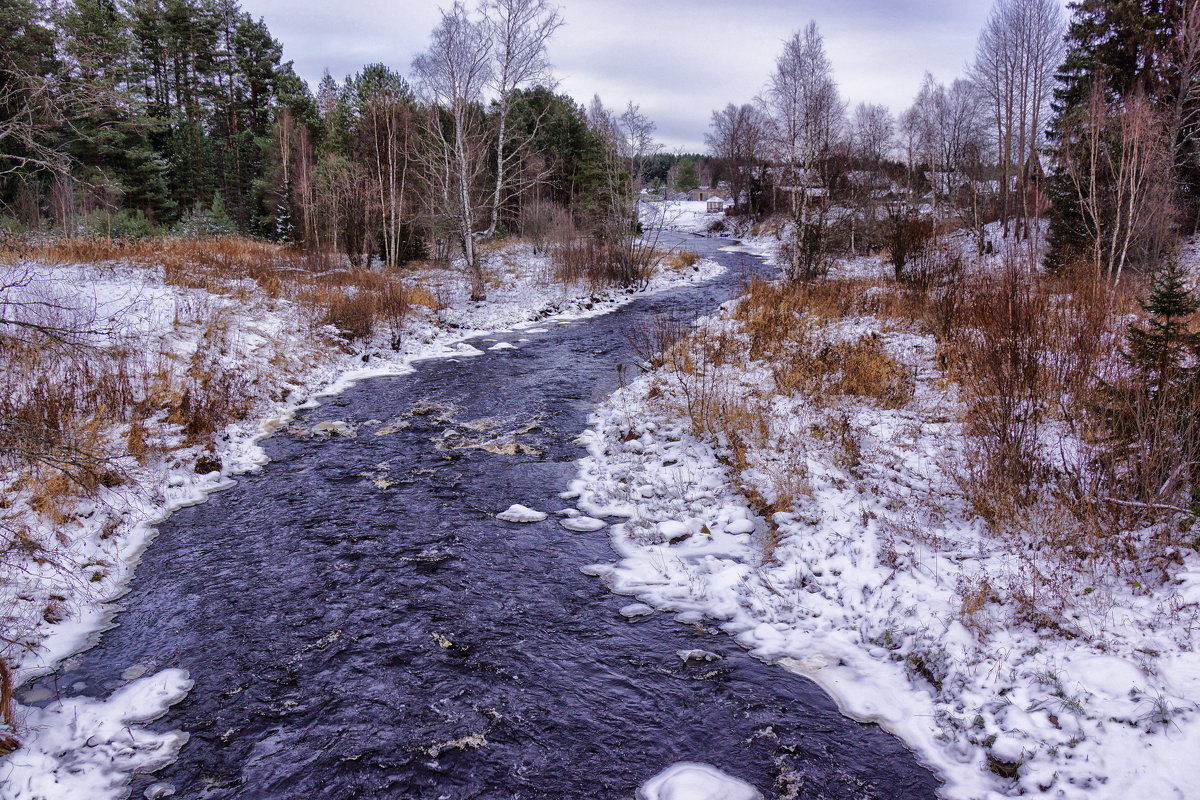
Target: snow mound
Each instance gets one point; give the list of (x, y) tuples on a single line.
[(503, 346), (88, 749), (690, 781), (673, 531), (739, 526), (582, 524), (519, 513)]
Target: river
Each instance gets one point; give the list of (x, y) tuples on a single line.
[(359, 625)]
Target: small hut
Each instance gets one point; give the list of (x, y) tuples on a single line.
[(716, 205)]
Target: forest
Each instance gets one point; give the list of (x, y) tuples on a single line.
[(939, 440)]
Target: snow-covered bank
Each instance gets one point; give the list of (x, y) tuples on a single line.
[(878, 582), (287, 364)]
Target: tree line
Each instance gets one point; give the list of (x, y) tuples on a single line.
[(1091, 122), (138, 116), (126, 117)]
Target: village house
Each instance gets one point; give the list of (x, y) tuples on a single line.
[(706, 194)]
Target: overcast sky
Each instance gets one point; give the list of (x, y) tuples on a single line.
[(678, 59)]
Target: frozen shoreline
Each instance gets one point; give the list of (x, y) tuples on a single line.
[(865, 591), (89, 747)]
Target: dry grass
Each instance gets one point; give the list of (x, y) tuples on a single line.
[(786, 330), (784, 324), (679, 260), (353, 300), (61, 397)]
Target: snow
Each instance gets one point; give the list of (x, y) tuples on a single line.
[(865, 589), (688, 216), (82, 748), (294, 365), (582, 524), (519, 513), (691, 781)]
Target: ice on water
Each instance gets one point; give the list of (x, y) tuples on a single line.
[(691, 781)]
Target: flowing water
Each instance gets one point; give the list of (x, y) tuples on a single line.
[(358, 625)]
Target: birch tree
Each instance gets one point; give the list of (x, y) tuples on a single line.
[(806, 111), (520, 30), (737, 136), (454, 74), (1016, 57), (1117, 159)]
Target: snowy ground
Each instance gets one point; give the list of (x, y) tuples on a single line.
[(878, 585), (686, 216), (89, 748)]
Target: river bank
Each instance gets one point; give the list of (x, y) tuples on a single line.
[(61, 593), (832, 535)]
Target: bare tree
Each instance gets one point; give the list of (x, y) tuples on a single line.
[(1017, 54), (737, 135), (629, 144), (1183, 66), (454, 73), (870, 142), (386, 130), (923, 127), (873, 133), (520, 32), (1118, 161), (36, 112), (806, 111)]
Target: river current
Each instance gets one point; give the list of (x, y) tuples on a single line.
[(359, 625)]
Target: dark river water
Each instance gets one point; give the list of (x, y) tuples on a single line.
[(358, 625)]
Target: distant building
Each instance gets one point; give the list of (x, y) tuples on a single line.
[(702, 195), (716, 205)]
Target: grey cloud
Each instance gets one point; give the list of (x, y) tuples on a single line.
[(678, 59)]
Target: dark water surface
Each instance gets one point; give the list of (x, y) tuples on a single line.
[(358, 626)]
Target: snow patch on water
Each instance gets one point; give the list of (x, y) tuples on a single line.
[(691, 781), (582, 524), (519, 513)]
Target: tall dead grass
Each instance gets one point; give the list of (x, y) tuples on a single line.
[(785, 330), (354, 300)]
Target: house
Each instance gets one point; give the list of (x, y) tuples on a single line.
[(704, 195), (716, 205)]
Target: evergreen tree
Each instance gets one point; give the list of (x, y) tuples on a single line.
[(1163, 352), (114, 157), (1119, 46), (686, 176), (1119, 42), (573, 154)]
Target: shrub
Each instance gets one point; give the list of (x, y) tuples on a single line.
[(906, 234), (353, 314), (1003, 357)]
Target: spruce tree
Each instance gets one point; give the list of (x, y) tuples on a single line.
[(1163, 352), (1118, 45)]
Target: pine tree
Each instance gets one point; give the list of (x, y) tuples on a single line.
[(112, 146), (686, 178)]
